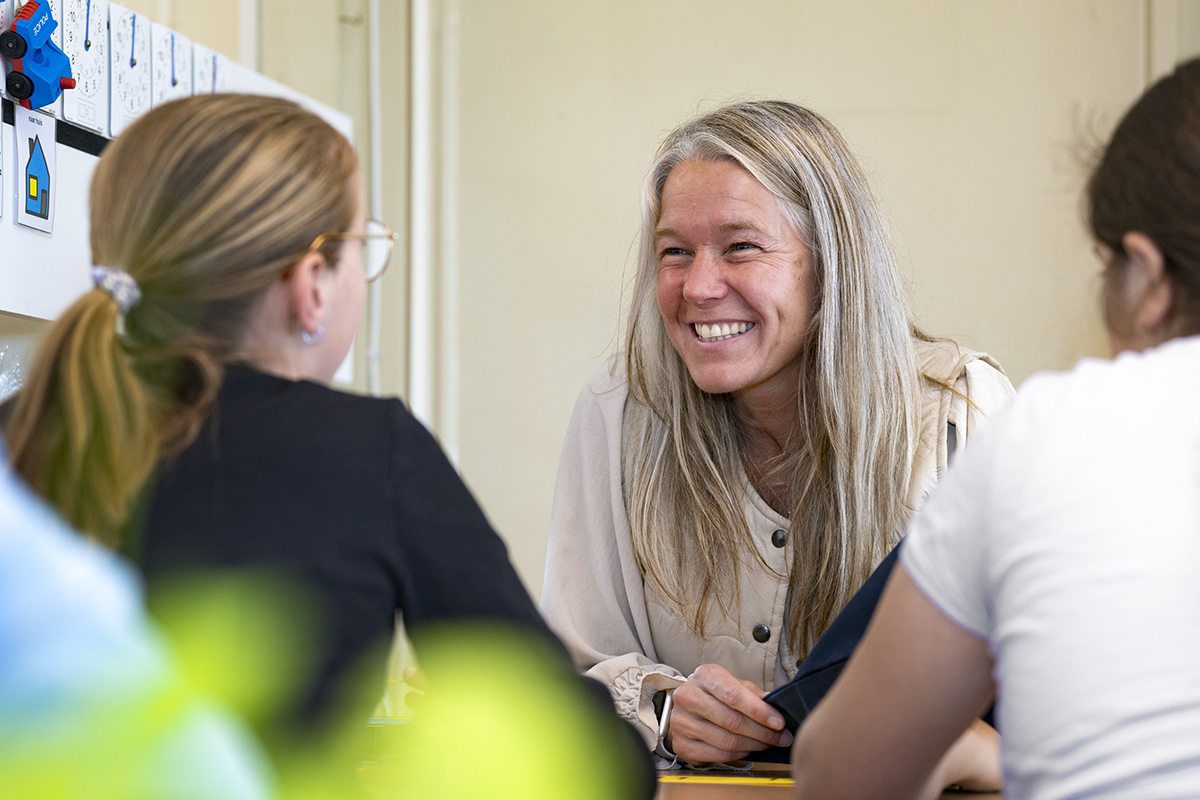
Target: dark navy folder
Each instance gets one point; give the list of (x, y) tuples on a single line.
[(798, 697)]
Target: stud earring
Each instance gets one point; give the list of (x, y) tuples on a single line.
[(315, 338)]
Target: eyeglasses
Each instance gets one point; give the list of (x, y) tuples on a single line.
[(377, 242)]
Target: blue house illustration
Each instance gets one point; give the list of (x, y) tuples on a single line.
[(37, 181)]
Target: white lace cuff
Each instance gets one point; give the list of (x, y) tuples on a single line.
[(633, 694)]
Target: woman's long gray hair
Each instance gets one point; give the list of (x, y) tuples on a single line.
[(857, 399)]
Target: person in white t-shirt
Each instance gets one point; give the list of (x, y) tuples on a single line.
[(1057, 565)]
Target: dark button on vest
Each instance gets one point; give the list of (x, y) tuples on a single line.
[(761, 633), (779, 538)]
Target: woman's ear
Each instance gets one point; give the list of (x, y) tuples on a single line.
[(1150, 294), (309, 298)]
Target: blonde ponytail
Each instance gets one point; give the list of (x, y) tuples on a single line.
[(83, 431)]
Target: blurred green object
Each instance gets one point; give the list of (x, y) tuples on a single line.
[(505, 714), (92, 706), (244, 638), (387, 738), (506, 717), (157, 744)]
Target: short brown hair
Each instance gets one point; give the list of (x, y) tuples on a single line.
[(1148, 180)]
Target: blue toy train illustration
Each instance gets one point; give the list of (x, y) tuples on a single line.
[(40, 70)]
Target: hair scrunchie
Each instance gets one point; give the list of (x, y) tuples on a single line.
[(117, 284)]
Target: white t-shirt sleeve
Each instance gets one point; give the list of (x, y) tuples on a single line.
[(945, 551)]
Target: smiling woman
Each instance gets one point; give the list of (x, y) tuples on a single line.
[(729, 483)]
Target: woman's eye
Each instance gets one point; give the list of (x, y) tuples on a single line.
[(672, 251), (743, 246)]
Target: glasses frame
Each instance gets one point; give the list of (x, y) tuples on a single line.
[(388, 235)]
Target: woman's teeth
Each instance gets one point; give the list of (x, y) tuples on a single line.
[(721, 331)]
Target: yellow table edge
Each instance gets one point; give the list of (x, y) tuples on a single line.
[(748, 780)]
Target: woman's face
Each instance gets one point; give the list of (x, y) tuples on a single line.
[(735, 282)]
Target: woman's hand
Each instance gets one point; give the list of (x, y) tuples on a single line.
[(717, 717), (972, 762)]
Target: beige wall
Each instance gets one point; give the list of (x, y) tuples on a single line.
[(969, 116), (212, 22), (334, 70)]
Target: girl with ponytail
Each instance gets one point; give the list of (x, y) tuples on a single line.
[(231, 247), (193, 222)]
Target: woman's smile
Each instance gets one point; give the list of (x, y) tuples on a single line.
[(720, 331)]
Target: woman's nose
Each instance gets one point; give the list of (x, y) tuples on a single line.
[(705, 281)]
